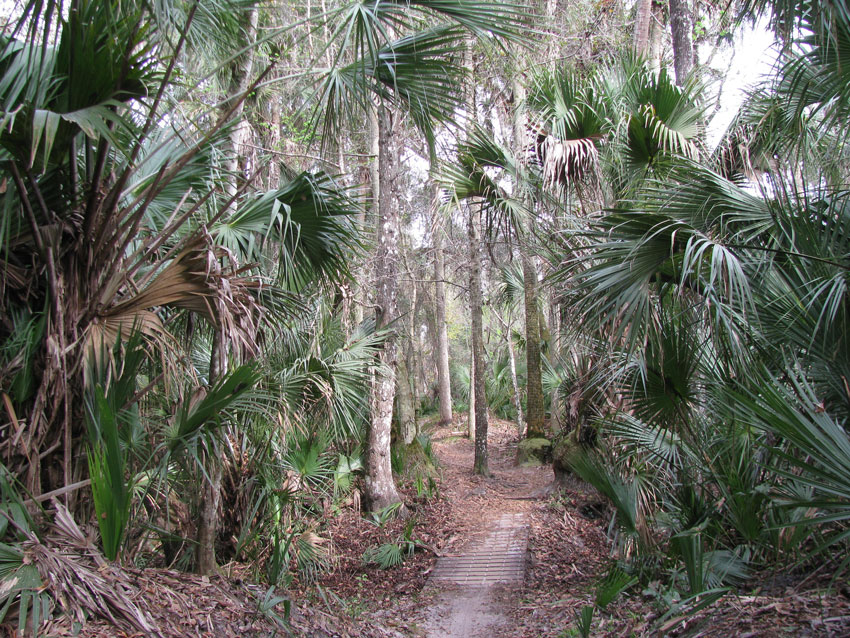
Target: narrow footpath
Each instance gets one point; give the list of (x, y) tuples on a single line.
[(469, 583)]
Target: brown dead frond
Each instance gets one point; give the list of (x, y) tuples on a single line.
[(81, 581), (204, 279)]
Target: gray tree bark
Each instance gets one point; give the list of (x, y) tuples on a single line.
[(681, 31), (471, 420), (380, 487), (443, 374)]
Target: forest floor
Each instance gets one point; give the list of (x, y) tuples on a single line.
[(563, 533)]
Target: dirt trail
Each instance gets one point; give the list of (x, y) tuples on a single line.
[(469, 585)]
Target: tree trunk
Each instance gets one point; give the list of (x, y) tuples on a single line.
[(208, 524), (443, 375), (471, 419), (520, 424), (240, 81), (273, 182), (415, 349), (369, 209), (479, 407), (683, 47), (515, 383), (535, 410), (655, 52), (406, 413), (643, 19), (555, 418), (210, 495), (380, 486)]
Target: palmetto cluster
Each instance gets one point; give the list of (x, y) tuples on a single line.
[(134, 281)]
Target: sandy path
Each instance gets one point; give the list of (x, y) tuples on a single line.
[(467, 584)]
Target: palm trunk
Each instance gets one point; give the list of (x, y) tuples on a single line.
[(479, 407), (380, 486)]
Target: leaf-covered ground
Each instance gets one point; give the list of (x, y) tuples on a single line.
[(568, 554)]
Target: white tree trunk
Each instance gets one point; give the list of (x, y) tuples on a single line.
[(380, 486), (479, 406), (643, 19)]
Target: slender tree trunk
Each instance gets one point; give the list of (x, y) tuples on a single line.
[(208, 524), (211, 489), (683, 47), (515, 383), (643, 19), (476, 309), (443, 375), (274, 141), (380, 486), (415, 349), (406, 413), (535, 409), (406, 381), (520, 423), (210, 497), (240, 81), (362, 294), (556, 418), (534, 386), (471, 419)]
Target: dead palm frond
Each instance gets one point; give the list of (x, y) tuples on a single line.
[(81, 581)]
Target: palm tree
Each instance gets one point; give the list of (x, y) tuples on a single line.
[(724, 288)]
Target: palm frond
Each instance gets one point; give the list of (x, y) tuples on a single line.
[(419, 73)]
